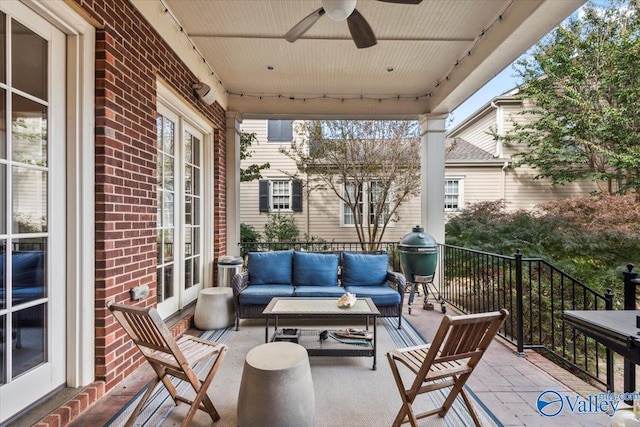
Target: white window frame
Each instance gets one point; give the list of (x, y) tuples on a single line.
[(289, 195), (366, 207), (460, 194)]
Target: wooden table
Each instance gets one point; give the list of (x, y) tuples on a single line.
[(615, 329), (324, 308)]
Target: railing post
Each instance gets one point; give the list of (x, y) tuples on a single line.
[(608, 301), (519, 304), (630, 283)]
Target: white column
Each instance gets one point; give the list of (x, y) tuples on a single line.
[(233, 182), (432, 157)]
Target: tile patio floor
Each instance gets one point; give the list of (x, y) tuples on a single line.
[(505, 382)]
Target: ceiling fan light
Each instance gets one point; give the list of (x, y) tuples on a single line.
[(339, 10)]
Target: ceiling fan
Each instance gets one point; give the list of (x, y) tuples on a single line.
[(338, 10)]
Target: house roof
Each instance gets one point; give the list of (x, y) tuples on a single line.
[(459, 150), (429, 57)]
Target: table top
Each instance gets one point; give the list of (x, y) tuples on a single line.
[(319, 306), (620, 324)]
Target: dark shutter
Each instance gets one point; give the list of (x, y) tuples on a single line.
[(280, 130), (296, 196), (264, 196)]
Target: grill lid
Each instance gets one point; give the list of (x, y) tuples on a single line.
[(418, 241)]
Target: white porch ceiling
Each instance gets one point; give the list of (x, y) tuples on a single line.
[(441, 52)]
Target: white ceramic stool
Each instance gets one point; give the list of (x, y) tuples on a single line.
[(276, 389), (214, 309)]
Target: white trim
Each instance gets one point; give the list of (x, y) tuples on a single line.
[(460, 194)]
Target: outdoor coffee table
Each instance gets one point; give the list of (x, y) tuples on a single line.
[(324, 308)]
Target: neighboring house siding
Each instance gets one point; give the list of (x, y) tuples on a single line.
[(518, 188), (476, 132), (264, 151), (321, 210)]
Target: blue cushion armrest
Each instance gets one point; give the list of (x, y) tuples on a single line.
[(397, 281), (239, 282)]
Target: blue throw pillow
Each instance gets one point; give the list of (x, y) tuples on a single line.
[(313, 269), (364, 269), (270, 267)]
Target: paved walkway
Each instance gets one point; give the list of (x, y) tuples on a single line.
[(508, 384)]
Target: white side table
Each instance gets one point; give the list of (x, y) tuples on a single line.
[(214, 309)]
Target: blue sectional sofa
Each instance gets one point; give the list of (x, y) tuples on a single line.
[(317, 274)]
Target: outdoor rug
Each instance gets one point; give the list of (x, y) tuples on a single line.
[(348, 392)]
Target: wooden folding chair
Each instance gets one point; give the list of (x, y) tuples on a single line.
[(447, 362), (170, 358)]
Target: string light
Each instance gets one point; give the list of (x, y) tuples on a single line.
[(342, 98)]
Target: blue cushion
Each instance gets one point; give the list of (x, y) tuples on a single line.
[(319, 291), (364, 269), (270, 267), (261, 295), (380, 295), (314, 269)]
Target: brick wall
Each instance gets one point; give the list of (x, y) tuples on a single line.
[(129, 57)]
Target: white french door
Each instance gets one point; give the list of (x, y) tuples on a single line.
[(180, 207), (32, 220)]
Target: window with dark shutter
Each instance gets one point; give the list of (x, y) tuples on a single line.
[(264, 195), (280, 130), (296, 196)]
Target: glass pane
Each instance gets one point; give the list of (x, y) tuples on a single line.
[(167, 136), (29, 67), (195, 149), (29, 129), (195, 178), (29, 200), (3, 133), (3, 52), (167, 210), (167, 176), (187, 209), (160, 207), (29, 343), (188, 240), (159, 284), (3, 262), (3, 199), (195, 211), (160, 170), (188, 270), (188, 186), (28, 270), (196, 240), (159, 247), (168, 282), (168, 246), (196, 270), (187, 147)]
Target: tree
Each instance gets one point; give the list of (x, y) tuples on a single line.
[(585, 84), (373, 167), (251, 172)]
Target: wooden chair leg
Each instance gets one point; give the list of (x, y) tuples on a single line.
[(134, 415)]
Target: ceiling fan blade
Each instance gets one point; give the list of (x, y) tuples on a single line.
[(403, 1), (361, 31), (303, 26)]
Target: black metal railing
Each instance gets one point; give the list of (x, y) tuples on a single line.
[(536, 294)]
